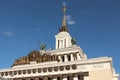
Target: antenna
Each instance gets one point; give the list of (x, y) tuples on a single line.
[(39, 43)]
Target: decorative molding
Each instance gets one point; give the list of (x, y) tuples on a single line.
[(61, 68), (74, 67), (98, 65)]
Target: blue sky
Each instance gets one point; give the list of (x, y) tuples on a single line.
[(25, 24)]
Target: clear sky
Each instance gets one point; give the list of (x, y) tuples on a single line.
[(25, 24)]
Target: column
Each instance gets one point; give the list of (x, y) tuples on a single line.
[(72, 58), (66, 58), (54, 78), (56, 44), (60, 59), (78, 56), (64, 43), (61, 44), (64, 77), (75, 76), (75, 56)]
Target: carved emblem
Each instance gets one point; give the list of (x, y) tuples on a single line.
[(74, 67), (44, 69), (67, 67), (33, 55), (50, 69), (61, 68), (56, 68), (39, 70)]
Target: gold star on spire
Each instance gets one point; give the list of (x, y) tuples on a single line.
[(64, 27), (64, 9)]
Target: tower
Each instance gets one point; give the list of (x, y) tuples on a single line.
[(63, 38)]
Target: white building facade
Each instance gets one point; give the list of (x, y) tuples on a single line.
[(66, 62)]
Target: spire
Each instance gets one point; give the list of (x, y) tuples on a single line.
[(64, 27)]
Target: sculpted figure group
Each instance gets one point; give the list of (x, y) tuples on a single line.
[(36, 56)]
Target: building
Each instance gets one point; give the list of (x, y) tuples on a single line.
[(66, 62)]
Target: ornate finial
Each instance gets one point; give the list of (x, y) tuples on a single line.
[(64, 27), (64, 7)]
